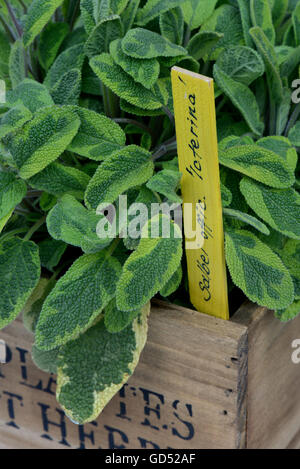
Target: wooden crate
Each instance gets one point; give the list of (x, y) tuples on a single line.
[(201, 383)]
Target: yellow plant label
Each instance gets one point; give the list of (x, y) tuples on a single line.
[(195, 119)]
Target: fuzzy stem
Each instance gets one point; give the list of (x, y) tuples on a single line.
[(8, 29), (35, 228), (124, 120), (13, 17), (293, 119)]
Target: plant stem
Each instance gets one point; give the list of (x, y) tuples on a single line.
[(169, 114), (124, 120), (35, 228), (8, 29), (272, 125), (23, 5), (187, 36), (112, 247), (11, 233), (74, 15), (221, 104), (165, 148), (13, 17), (293, 119)]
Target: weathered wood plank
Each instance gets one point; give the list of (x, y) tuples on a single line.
[(273, 381), (189, 391)]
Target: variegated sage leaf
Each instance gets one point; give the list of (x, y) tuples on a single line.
[(123, 84), (93, 368), (247, 219), (70, 59), (153, 8), (58, 179), (129, 14), (241, 63), (72, 223), (260, 164), (67, 90), (225, 20), (166, 182), (116, 321), (282, 147), (49, 43), (173, 284), (34, 304), (280, 208), (244, 7), (171, 24), (45, 360), (267, 51), (77, 299), (242, 97), (261, 16), (144, 71), (31, 94), (43, 139), (38, 15), (151, 266), (290, 255), (144, 44), (20, 271), (125, 169), (14, 119), (98, 136), (258, 271), (202, 43), (196, 13), (12, 192), (102, 35)]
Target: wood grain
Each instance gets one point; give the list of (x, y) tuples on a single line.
[(189, 391)]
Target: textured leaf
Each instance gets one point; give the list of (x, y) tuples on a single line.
[(279, 11), (58, 179), (267, 51), (294, 134), (150, 267), (17, 71), (154, 8), (45, 361), (262, 16), (248, 219), (127, 168), (172, 25), (98, 136), (138, 111), (49, 43), (129, 14), (87, 8), (77, 299), (144, 71), (70, 59), (103, 364), (290, 255), (226, 195), (166, 182), (4, 55), (19, 274), (291, 312), (202, 43), (122, 84), (172, 285), (283, 112), (72, 223), (38, 15), (102, 35), (51, 252), (118, 6), (258, 271), (12, 191), (14, 119), (195, 12), (115, 320), (31, 94), (5, 219), (282, 147), (258, 163), (242, 97), (43, 139), (241, 64), (34, 304), (144, 44), (244, 7), (226, 20), (290, 63), (67, 90), (279, 208)]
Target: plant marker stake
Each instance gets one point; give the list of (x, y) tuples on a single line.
[(195, 119)]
